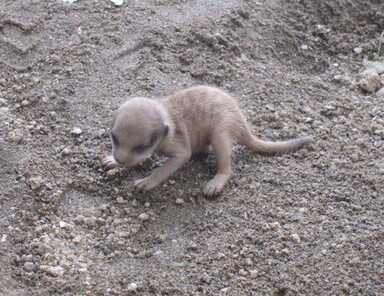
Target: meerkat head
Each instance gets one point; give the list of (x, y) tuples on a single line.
[(139, 127)]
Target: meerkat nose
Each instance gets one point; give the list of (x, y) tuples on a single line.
[(118, 160)]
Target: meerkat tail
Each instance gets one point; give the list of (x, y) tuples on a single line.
[(274, 147)]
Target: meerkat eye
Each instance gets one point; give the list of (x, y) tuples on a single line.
[(146, 145), (142, 148), (114, 139)]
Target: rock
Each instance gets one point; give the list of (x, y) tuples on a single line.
[(144, 217), (358, 50), (132, 287), (147, 205), (55, 271), (79, 219), (43, 249), (253, 274), (100, 132), (275, 225), (369, 81), (27, 258), (35, 183), (179, 201), (112, 172), (77, 239), (380, 92), (295, 237), (25, 103), (65, 264), (3, 102), (28, 266), (243, 272), (4, 110), (158, 253), (374, 67), (192, 246), (65, 225), (120, 200), (76, 131), (103, 207), (117, 2), (338, 78), (65, 152), (354, 157), (172, 182)]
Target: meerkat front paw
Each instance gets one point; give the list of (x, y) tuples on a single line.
[(214, 186), (110, 163), (145, 184)]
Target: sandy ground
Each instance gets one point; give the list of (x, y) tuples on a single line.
[(303, 223)]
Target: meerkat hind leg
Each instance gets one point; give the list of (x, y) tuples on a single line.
[(221, 145)]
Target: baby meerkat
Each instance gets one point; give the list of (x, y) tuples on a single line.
[(189, 121)]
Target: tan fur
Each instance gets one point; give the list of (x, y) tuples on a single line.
[(192, 120)]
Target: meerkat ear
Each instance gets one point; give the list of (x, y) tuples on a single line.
[(166, 130)]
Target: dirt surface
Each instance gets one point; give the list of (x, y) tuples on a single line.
[(304, 223)]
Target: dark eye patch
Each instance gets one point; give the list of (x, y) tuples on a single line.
[(145, 146), (114, 139)]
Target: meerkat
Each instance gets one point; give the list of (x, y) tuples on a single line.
[(187, 122)]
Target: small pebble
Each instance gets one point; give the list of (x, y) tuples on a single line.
[(338, 78), (66, 151), (55, 271), (103, 207), (358, 50), (354, 157), (253, 274), (179, 201), (120, 200), (144, 217), (35, 183), (192, 246), (76, 131), (79, 219), (295, 237), (65, 225), (275, 225), (132, 287), (25, 103), (77, 239), (28, 266)]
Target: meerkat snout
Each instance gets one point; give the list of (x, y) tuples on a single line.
[(190, 121)]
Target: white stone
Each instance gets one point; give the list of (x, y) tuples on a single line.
[(144, 217), (55, 271), (65, 225), (76, 131), (358, 50), (66, 151), (117, 2)]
